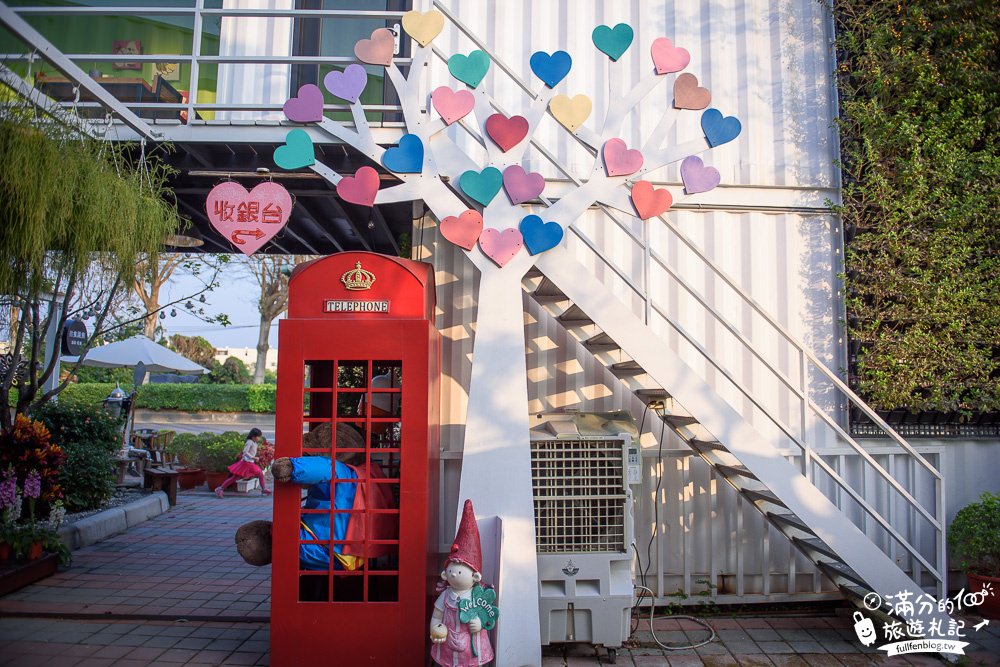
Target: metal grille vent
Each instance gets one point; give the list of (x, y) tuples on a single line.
[(580, 495)]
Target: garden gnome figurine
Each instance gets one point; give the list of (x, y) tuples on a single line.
[(464, 612)]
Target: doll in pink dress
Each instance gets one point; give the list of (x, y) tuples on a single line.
[(454, 643)]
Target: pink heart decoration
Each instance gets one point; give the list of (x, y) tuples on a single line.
[(667, 57), (522, 186), (361, 188), (499, 246), (619, 160), (506, 132), (248, 219), (307, 107), (377, 50), (464, 230), (697, 177), (650, 202), (452, 105)]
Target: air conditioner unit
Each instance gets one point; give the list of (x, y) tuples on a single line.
[(582, 466)]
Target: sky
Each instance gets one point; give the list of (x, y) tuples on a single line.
[(236, 296)]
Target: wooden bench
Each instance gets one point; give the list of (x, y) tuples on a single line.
[(161, 479)]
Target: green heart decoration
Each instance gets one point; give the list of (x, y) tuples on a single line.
[(480, 604), (613, 42), (482, 186), (470, 69), (296, 152)]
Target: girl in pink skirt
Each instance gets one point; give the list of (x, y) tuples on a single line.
[(246, 467)]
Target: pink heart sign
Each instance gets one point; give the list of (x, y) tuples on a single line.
[(377, 50), (307, 107), (506, 132), (619, 160), (452, 105), (650, 202), (499, 246), (361, 188), (522, 186), (697, 177), (248, 219), (667, 57), (463, 230)]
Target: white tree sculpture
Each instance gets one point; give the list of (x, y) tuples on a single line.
[(466, 198)]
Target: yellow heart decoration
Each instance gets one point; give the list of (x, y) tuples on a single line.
[(571, 113), (423, 27)]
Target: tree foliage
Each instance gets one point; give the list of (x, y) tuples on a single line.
[(920, 124), (195, 348)]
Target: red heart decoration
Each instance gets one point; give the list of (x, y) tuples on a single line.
[(377, 50), (360, 188), (506, 132), (650, 202), (248, 219), (464, 230)]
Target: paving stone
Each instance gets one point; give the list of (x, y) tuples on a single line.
[(743, 647), (753, 660), (774, 648)]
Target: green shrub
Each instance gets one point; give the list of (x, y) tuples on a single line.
[(221, 451), (89, 437), (974, 536), (186, 397)]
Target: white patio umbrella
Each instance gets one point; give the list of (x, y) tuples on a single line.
[(135, 350)]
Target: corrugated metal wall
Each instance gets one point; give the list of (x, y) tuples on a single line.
[(769, 63)]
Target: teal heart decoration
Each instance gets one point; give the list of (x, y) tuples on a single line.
[(296, 152), (469, 69), (539, 236), (482, 186), (613, 42), (719, 130)]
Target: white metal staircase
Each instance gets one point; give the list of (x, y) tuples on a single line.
[(833, 523)]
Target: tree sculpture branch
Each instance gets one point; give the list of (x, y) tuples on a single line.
[(464, 195)]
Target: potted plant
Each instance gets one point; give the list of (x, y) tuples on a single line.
[(187, 447), (974, 538), (224, 450)]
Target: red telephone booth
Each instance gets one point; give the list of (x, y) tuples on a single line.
[(358, 386)]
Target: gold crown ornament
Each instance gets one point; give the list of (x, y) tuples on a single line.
[(357, 278)]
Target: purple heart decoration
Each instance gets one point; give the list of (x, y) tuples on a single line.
[(697, 177), (539, 236), (522, 186), (349, 84), (307, 107)]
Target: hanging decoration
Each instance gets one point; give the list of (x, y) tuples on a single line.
[(613, 42), (349, 84), (501, 246), (697, 177), (248, 220), (463, 230)]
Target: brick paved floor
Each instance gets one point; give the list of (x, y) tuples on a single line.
[(178, 593)]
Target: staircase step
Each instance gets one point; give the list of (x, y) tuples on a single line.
[(839, 570), (679, 421), (648, 396), (602, 342), (764, 495), (707, 444), (575, 317), (533, 272), (790, 520), (548, 291), (819, 546), (627, 369), (730, 471)]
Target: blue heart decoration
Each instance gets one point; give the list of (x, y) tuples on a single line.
[(539, 236), (550, 69), (407, 157), (296, 152), (482, 186), (719, 130)]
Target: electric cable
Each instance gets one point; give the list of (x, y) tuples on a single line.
[(649, 560)]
